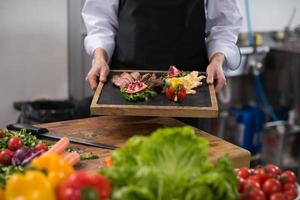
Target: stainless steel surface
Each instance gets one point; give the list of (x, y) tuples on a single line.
[(249, 55), (280, 145), (282, 77)]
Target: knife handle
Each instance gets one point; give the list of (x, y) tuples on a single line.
[(29, 128)]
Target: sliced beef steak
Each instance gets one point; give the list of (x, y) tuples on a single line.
[(135, 87), (135, 75), (145, 77), (120, 82), (127, 76)]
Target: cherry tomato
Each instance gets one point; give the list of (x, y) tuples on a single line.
[(289, 186), (256, 194), (181, 94), (253, 178), (261, 175), (271, 171), (289, 195), (243, 172), (41, 146), (6, 156), (242, 182), (251, 183), (271, 185), (273, 168), (14, 143), (277, 196), (288, 177), (1, 133), (170, 93)]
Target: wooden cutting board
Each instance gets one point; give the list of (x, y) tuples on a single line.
[(118, 129), (109, 101)]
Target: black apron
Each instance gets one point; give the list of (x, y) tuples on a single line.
[(154, 34)]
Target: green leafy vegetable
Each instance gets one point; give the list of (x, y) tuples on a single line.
[(7, 171), (145, 95), (171, 164), (27, 139), (88, 156), (83, 156)]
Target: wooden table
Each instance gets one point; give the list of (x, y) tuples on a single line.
[(116, 130)]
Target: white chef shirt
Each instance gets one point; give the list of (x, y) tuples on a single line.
[(223, 23)]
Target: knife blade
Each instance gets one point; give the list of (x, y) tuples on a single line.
[(43, 132)]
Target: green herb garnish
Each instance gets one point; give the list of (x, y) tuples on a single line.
[(88, 156), (145, 95), (7, 171), (83, 156)]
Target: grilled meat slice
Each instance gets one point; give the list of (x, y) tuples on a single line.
[(151, 78), (127, 76), (156, 84), (145, 77), (120, 82), (135, 87), (135, 75)]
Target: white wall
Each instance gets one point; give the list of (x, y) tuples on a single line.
[(33, 53), (270, 15)]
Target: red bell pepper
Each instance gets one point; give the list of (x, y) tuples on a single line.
[(84, 186)]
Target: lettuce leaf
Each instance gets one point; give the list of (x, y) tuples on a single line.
[(171, 164)]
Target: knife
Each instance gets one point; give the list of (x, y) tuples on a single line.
[(43, 132)]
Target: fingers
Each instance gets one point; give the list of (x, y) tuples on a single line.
[(104, 71), (221, 82), (215, 75), (98, 72), (93, 80), (210, 75)]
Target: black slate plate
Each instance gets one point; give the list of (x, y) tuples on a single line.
[(111, 95)]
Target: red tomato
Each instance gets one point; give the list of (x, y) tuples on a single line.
[(242, 182), (181, 94), (170, 93), (253, 178), (271, 185), (288, 177), (261, 175), (41, 146), (277, 196), (271, 171), (289, 195), (256, 194), (273, 168), (251, 183), (289, 186), (243, 172), (14, 143), (5, 157), (1, 133)]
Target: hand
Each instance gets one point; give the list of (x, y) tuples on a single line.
[(99, 70), (215, 74)]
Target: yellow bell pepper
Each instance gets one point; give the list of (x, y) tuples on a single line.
[(33, 185), (56, 168), (174, 82), (1, 194)]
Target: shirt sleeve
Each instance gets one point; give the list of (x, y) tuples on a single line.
[(101, 21), (223, 23)]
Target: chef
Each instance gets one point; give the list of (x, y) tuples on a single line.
[(154, 34)]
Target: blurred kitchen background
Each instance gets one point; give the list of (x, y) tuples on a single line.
[(42, 58)]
